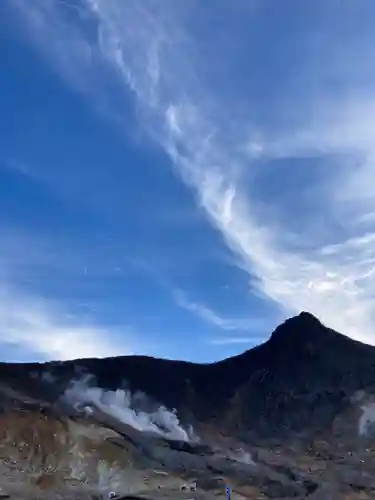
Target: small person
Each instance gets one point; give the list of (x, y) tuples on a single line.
[(228, 492)]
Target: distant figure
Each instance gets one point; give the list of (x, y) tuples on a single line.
[(227, 493)]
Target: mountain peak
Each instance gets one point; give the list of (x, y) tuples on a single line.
[(304, 327), (307, 319), (305, 315)]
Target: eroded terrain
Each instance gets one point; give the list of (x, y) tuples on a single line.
[(47, 455), (267, 424)]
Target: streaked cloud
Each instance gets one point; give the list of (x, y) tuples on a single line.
[(48, 332), (226, 341), (214, 319), (158, 56), (46, 328)]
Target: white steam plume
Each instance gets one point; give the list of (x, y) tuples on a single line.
[(367, 420), (242, 456), (122, 405)]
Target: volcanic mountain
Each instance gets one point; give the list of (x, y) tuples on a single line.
[(297, 381), (290, 418)]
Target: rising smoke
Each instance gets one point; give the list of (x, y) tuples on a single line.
[(241, 456), (366, 424), (123, 405)]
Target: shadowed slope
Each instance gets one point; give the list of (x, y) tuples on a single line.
[(296, 381), (248, 410)]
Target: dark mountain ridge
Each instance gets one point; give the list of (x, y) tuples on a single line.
[(297, 381)]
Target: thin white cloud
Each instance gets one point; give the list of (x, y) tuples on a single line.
[(44, 329), (73, 54), (149, 45), (224, 341), (212, 318)]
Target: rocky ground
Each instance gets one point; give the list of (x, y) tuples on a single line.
[(313, 438), (46, 455)]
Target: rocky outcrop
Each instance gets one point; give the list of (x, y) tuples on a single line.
[(296, 382), (291, 418)]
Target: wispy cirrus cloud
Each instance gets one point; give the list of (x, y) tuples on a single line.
[(47, 332), (214, 319), (249, 341), (216, 149), (39, 327)]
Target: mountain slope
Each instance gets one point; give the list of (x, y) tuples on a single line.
[(297, 381), (249, 413)]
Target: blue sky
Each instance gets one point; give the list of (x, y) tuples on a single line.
[(176, 179)]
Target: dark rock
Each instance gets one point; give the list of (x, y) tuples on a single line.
[(295, 383)]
